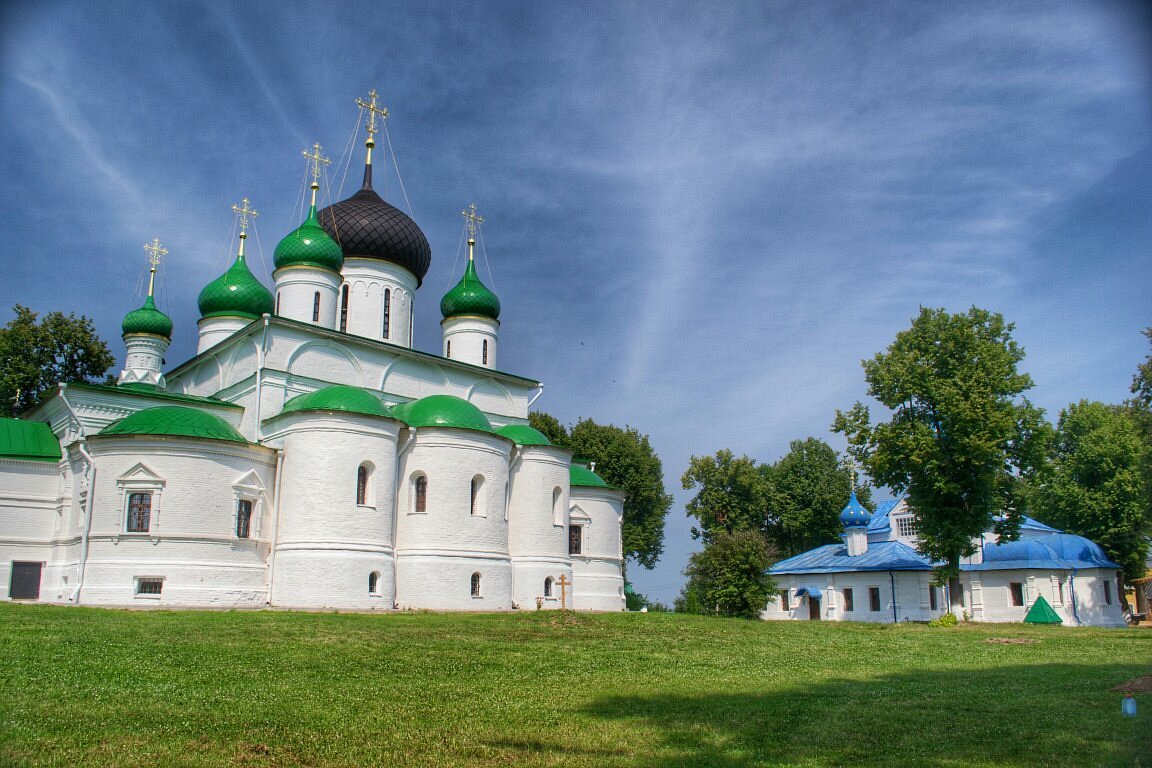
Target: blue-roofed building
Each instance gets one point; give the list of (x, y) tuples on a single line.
[(876, 574)]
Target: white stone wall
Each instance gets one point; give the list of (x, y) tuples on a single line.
[(191, 543), (538, 524), (328, 545), (464, 339), (144, 359), (214, 330), (296, 289), (29, 516), (367, 280), (597, 572), (438, 550), (909, 602)]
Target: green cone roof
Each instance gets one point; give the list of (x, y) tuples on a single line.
[(580, 474), (236, 293), (149, 320), (309, 245), (338, 397), (522, 434), (470, 297), (442, 411), (176, 421), (1042, 613)]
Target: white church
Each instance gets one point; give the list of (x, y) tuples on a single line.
[(308, 457)]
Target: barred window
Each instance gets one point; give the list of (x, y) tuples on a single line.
[(149, 586), (485, 353), (243, 518), (421, 494), (387, 312), (316, 307), (344, 309), (139, 512), (575, 539), (548, 587), (475, 585), (362, 485), (374, 583)]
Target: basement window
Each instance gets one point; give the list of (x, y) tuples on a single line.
[(149, 586)]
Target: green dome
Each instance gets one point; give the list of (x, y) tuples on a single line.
[(470, 297), (522, 434), (177, 421), (309, 245), (236, 293), (148, 319), (580, 474), (442, 411), (338, 398)]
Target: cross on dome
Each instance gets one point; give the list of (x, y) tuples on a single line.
[(315, 160), (473, 219), (155, 252), (373, 111)]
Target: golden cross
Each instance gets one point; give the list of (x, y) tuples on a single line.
[(851, 464), (373, 110), (155, 251), (473, 220), (564, 584), (243, 212), (315, 159)]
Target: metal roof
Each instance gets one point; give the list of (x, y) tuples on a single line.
[(834, 558)]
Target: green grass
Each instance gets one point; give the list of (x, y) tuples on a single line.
[(95, 687)]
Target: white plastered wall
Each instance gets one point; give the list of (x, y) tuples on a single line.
[(296, 290), (538, 524), (465, 337), (367, 280), (597, 572)]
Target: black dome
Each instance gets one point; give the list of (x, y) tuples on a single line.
[(366, 226)]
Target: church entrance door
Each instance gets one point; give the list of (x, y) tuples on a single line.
[(813, 608), (25, 583)]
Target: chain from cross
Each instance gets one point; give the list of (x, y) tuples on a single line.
[(373, 110), (155, 251), (243, 212), (473, 220), (315, 160)]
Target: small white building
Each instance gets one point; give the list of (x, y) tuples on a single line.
[(876, 574), (308, 456)]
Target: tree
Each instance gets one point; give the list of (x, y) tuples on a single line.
[(1142, 381), (730, 576), (1099, 486), (625, 459), (960, 441), (733, 494), (811, 486), (34, 356)]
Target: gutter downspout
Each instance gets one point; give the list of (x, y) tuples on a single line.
[(892, 580), (396, 505), (513, 463), (263, 349), (1072, 589), (90, 473), (276, 529), (535, 397)]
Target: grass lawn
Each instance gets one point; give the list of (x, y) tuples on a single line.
[(181, 688)]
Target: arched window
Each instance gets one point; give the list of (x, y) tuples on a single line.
[(475, 585), (557, 506), (449, 353), (243, 518), (344, 309), (548, 587), (374, 583), (477, 505), (362, 474), (139, 512), (316, 307), (387, 312), (485, 352), (421, 488)]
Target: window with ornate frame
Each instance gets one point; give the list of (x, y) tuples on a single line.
[(139, 512), (141, 491), (243, 518), (248, 492), (575, 539)]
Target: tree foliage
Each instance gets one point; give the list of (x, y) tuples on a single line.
[(35, 356), (625, 459), (960, 441), (1142, 381), (733, 494), (730, 576), (1099, 485)]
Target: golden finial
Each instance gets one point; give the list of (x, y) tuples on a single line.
[(155, 253), (242, 214), (851, 464), (315, 159), (373, 110), (473, 220)]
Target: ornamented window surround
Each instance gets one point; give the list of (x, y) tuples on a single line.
[(248, 487), (140, 479)]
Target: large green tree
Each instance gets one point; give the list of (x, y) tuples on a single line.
[(960, 440), (626, 460), (731, 494), (1142, 381), (36, 354), (730, 576), (811, 485)]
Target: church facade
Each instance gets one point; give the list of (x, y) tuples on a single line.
[(308, 457)]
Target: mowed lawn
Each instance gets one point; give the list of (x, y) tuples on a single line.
[(97, 687)]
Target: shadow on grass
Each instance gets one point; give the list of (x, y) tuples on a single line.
[(1044, 715)]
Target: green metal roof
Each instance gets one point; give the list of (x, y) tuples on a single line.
[(177, 421), (442, 411), (338, 397), (236, 293), (470, 297), (150, 390), (149, 320), (309, 245), (580, 474), (32, 440), (522, 434)]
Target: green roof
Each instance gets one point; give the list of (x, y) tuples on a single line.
[(580, 474), (1042, 613), (32, 440), (470, 297), (338, 397), (147, 319), (522, 434), (150, 390), (442, 411), (236, 293), (309, 245), (176, 421)]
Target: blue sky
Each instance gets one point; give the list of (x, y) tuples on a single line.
[(699, 217)]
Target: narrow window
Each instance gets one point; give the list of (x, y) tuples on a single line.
[(1016, 593), (344, 309), (575, 539), (1108, 592), (449, 353), (1060, 592), (484, 354), (387, 312), (362, 485), (374, 583), (243, 518), (149, 586), (548, 587), (932, 597), (277, 302), (477, 506), (139, 512), (421, 494), (475, 585), (557, 506), (784, 600), (848, 604), (316, 307), (874, 598)]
